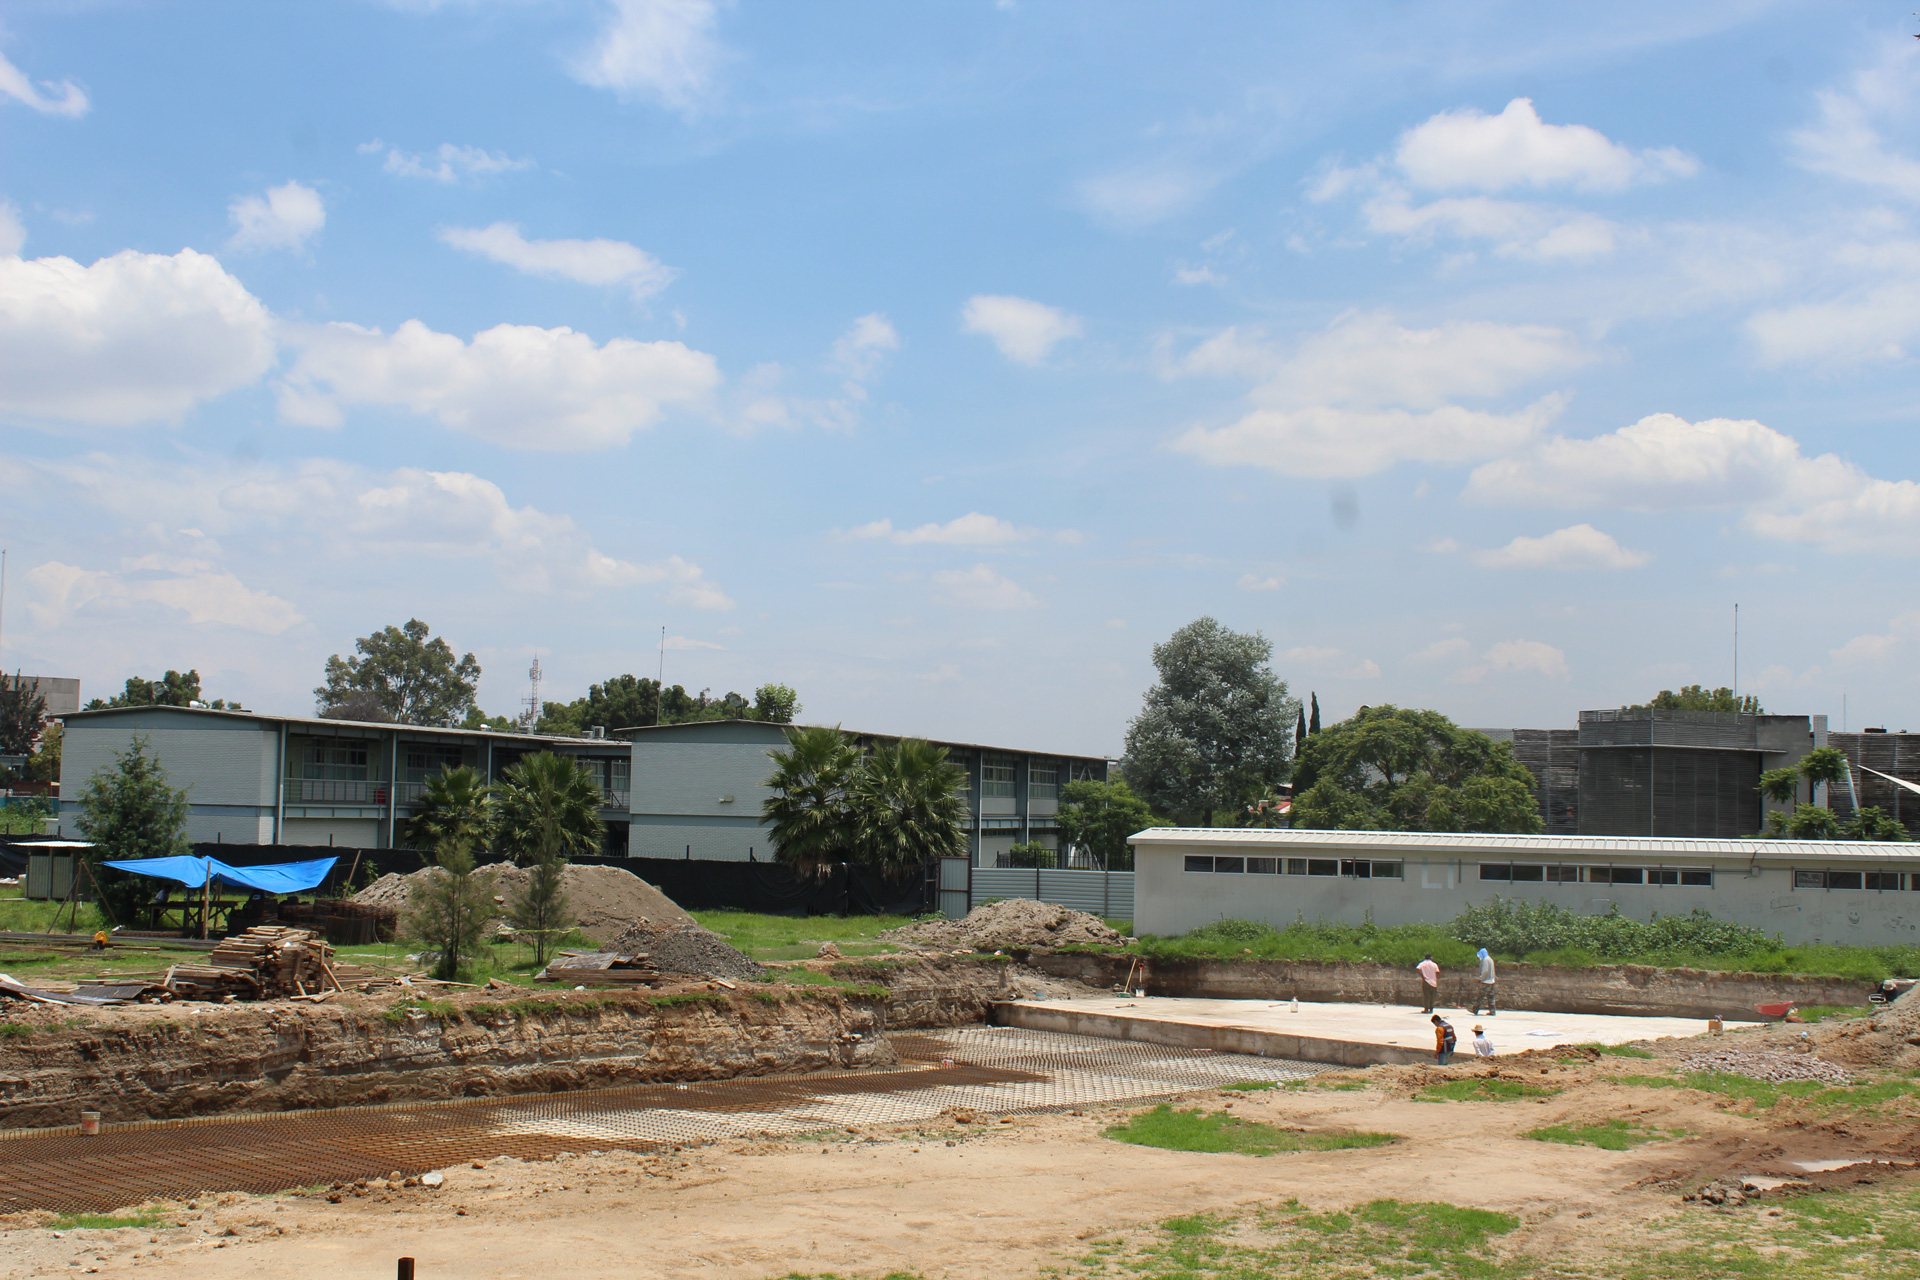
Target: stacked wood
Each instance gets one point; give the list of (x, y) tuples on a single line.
[(599, 969), (266, 961)]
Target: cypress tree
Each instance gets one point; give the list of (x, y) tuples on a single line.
[(1313, 725), (1300, 732)]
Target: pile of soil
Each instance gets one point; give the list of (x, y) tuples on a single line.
[(1890, 1038), (1015, 924), (685, 948), (605, 900)]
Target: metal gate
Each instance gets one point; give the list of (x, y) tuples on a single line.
[(956, 887)]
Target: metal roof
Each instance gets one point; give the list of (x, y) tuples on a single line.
[(632, 733), (1572, 847), (262, 717)]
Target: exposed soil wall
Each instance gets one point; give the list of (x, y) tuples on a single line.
[(156, 1064), (929, 991), (1638, 990)]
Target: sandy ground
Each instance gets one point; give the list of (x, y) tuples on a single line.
[(993, 1199)]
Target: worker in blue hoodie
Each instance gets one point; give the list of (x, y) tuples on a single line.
[(1485, 994)]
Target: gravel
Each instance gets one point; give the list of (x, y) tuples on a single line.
[(1774, 1067), (687, 949), (1016, 923)]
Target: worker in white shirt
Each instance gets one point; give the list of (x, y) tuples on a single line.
[(1482, 1047), (1485, 994)]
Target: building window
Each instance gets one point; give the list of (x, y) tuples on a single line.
[(1496, 871), (1809, 879), (1697, 879), (335, 761), (1662, 875), (1843, 879), (1389, 871), (1532, 873), (426, 759), (1196, 863), (1043, 782), (1263, 866), (1563, 875), (1296, 866), (1358, 869), (1235, 865), (1322, 867), (998, 777), (1883, 879), (1615, 875)]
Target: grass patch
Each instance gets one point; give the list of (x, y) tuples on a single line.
[(1483, 1089), (1822, 1012), (1221, 1132), (1384, 1238), (1254, 1086), (104, 1221), (766, 937), (1765, 1094), (1612, 1135), (1615, 1050), (14, 1031), (1337, 1086)]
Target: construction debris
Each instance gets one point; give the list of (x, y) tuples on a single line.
[(1768, 1066), (1009, 925), (687, 949), (266, 961), (599, 969)]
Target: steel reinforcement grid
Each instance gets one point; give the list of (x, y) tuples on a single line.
[(994, 1070)]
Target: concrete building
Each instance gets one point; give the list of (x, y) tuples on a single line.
[(690, 790), (698, 791), (1806, 891), (258, 779), (1637, 771), (1876, 756), (61, 693)]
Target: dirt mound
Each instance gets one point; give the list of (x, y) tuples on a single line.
[(605, 900), (1890, 1038), (1016, 923), (685, 948)]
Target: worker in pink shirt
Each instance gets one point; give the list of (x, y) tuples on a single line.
[(1429, 981)]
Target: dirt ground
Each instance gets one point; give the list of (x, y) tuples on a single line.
[(1010, 1197)]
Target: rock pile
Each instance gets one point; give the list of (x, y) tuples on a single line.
[(1014, 924), (605, 900), (1775, 1067), (685, 949)]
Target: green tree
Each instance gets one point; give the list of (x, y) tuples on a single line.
[(1782, 786), (476, 719), (1313, 723), (1694, 697), (414, 679), (1806, 822), (448, 911), (1389, 769), (546, 812), (1031, 853), (454, 809), (174, 689), (1873, 823), (45, 764), (131, 811), (1826, 764), (1216, 728), (22, 714), (777, 703), (909, 803), (809, 813), (1100, 817)]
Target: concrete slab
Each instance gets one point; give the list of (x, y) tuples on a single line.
[(1351, 1035)]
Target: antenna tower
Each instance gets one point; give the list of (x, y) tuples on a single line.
[(532, 714)]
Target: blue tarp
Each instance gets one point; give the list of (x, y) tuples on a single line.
[(284, 877)]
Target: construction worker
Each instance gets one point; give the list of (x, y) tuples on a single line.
[(1429, 981), (1485, 993), (1444, 1040), (1482, 1047), (100, 940)]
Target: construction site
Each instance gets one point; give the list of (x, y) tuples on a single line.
[(1019, 1092)]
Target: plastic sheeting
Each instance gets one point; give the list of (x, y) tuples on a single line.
[(284, 877)]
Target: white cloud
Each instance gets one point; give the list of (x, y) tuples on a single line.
[(1845, 141), (1332, 663), (1579, 546), (133, 338), (659, 49), (970, 530), (1468, 149), (603, 263), (58, 591), (682, 643), (1900, 633), (858, 352), (13, 235), (1258, 582), (1451, 647), (1146, 194), (62, 99), (1530, 231), (1516, 657), (1197, 275), (518, 385), (1368, 393), (981, 588), (1024, 330), (285, 218), (451, 163), (1872, 320)]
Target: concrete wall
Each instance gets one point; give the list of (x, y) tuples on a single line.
[(348, 833), (1169, 900), (1622, 989), (224, 763)]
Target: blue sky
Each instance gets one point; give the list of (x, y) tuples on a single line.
[(939, 359)]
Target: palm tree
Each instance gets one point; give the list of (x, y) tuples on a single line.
[(910, 804), (808, 811), (547, 806), (455, 809)]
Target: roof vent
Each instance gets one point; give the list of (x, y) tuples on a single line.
[(597, 731)]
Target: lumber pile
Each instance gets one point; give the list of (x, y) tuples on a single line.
[(268, 961), (599, 969)]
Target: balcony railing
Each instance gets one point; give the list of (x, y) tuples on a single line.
[(405, 794)]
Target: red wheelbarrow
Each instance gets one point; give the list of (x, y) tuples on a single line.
[(1777, 1010)]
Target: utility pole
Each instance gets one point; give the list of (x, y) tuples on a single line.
[(660, 679), (1736, 655)]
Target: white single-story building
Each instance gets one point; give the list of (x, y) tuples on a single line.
[(1842, 891)]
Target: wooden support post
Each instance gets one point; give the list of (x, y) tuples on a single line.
[(406, 1269)]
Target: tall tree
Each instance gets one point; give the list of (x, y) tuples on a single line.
[(809, 812), (777, 703), (131, 811), (1299, 731), (1694, 697), (1216, 729), (909, 804), (1782, 786), (1101, 817), (413, 676), (23, 712), (174, 689), (449, 909), (1826, 764), (1389, 769), (1313, 725), (454, 809)]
